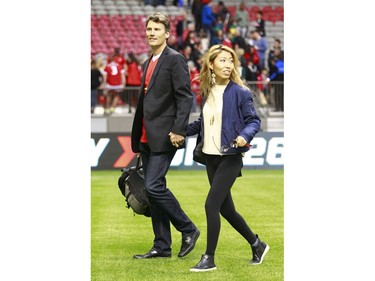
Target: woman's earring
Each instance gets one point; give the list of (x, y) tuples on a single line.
[(213, 80)]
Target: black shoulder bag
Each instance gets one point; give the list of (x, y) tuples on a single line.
[(132, 187)]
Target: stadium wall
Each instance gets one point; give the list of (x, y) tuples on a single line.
[(113, 151)]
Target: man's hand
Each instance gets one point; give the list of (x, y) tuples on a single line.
[(176, 140)]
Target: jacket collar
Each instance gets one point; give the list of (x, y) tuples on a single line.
[(157, 68)]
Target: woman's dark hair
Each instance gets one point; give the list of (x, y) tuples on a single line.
[(132, 58)]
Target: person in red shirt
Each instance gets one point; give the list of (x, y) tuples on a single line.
[(133, 78), (263, 86), (228, 40), (118, 58), (134, 71), (114, 80), (251, 55)]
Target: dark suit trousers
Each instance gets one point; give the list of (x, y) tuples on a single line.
[(165, 208)]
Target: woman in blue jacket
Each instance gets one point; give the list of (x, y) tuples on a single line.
[(226, 126)]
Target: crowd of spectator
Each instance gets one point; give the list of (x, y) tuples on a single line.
[(205, 23)]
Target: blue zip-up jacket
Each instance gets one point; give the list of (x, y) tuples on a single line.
[(239, 118)]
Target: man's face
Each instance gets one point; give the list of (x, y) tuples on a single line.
[(156, 34)]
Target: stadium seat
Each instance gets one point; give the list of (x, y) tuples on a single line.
[(139, 18), (136, 9), (272, 16), (123, 21), (138, 12), (279, 13), (111, 8), (125, 12), (279, 23), (100, 12), (108, 2), (117, 18), (267, 11), (113, 12), (253, 12), (132, 2), (105, 18), (232, 10), (172, 9), (161, 8), (148, 9)]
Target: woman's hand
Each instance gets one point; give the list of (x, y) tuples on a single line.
[(240, 142)]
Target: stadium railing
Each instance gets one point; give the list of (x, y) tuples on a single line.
[(272, 90)]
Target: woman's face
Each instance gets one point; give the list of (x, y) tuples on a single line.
[(222, 66)]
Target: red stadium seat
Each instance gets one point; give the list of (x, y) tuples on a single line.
[(116, 17), (279, 13), (253, 12), (232, 10), (109, 30), (267, 13), (104, 18), (139, 19)]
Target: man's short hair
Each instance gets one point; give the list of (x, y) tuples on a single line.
[(160, 18)]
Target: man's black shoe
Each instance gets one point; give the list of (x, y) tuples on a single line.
[(153, 254), (206, 264), (188, 243), (260, 249)]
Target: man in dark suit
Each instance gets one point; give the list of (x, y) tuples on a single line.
[(158, 131)]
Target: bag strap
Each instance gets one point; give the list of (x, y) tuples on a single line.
[(138, 166)]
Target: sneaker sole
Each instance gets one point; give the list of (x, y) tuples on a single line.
[(264, 254), (202, 270)]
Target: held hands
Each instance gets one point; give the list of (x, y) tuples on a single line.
[(176, 140), (239, 142)]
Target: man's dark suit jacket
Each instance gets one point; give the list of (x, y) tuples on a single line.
[(166, 104)]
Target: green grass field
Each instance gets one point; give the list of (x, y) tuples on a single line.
[(116, 234)]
